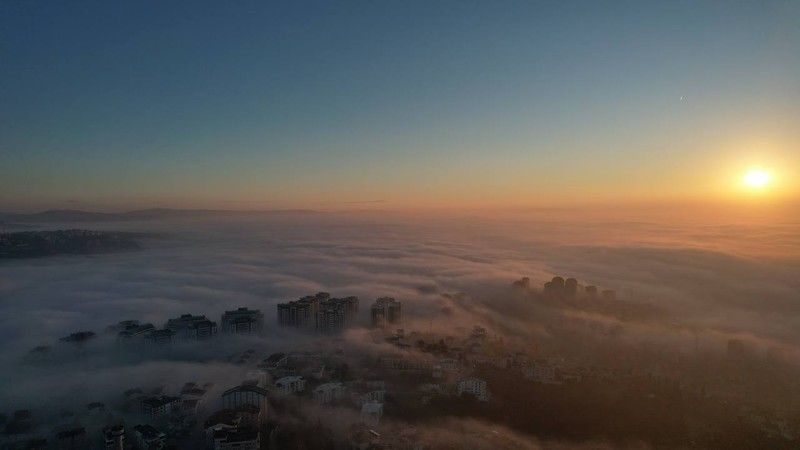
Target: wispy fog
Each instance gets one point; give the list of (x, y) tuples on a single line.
[(684, 288)]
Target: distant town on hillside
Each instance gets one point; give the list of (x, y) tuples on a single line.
[(33, 244)]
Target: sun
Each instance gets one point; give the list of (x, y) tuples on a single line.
[(756, 178)]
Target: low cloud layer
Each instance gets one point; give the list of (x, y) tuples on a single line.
[(674, 284)]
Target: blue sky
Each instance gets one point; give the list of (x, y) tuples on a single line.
[(307, 103)]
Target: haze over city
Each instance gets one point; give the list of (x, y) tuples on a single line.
[(400, 225)]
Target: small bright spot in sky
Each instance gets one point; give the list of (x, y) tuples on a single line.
[(756, 178)]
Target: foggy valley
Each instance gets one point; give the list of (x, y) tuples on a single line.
[(673, 345)]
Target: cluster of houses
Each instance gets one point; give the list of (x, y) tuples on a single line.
[(318, 377)]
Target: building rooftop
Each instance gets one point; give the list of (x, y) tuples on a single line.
[(275, 358), (246, 388), (243, 310), (289, 379), (80, 336), (136, 330), (148, 432), (159, 334), (157, 402), (230, 417)]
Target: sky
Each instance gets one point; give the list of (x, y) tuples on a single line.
[(115, 105)]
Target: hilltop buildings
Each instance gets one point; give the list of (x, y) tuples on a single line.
[(192, 327), (560, 289), (301, 313), (242, 321), (188, 327), (160, 337), (319, 312), (134, 331), (336, 313), (79, 338), (386, 311)]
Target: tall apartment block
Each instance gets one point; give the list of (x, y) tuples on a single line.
[(188, 326), (319, 312), (301, 313), (386, 311), (242, 321)]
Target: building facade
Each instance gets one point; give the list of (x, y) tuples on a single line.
[(242, 321), (290, 384), (301, 313), (159, 406), (114, 437), (328, 392), (149, 437), (386, 311), (190, 327), (318, 312), (474, 386), (239, 396)]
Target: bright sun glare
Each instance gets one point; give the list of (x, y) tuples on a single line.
[(756, 178)]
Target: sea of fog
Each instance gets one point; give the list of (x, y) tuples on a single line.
[(706, 283)]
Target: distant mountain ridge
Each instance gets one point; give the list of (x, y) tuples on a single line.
[(75, 215)]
